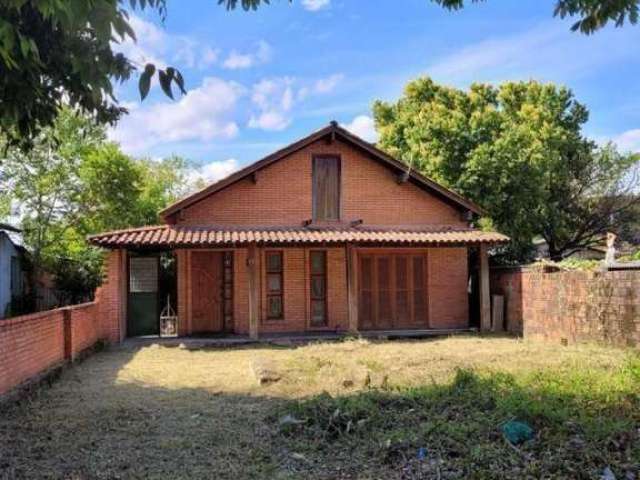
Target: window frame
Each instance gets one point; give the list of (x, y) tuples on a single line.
[(314, 196), (269, 294), (325, 299)]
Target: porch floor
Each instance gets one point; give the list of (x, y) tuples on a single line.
[(229, 340)]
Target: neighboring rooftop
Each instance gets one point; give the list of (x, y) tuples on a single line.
[(14, 234)]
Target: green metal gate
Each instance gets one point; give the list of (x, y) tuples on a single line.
[(143, 316)]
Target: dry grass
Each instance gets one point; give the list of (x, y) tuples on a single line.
[(324, 367), (160, 412)]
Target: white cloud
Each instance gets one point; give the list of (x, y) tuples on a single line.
[(315, 5), (364, 127), (214, 171), (271, 120), (546, 52), (155, 45), (204, 114), (628, 141), (236, 60), (327, 85), (275, 99), (151, 46), (208, 57)]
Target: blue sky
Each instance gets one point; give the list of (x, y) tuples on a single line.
[(259, 80)]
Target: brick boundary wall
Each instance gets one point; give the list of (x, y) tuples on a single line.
[(576, 306), (31, 345)]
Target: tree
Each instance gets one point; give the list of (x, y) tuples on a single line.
[(593, 14), (55, 53), (170, 181), (518, 151), (73, 183), (44, 183)]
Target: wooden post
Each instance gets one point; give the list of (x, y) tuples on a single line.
[(189, 287), (485, 297), (254, 294), (352, 287), (68, 334)]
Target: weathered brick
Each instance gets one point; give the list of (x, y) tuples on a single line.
[(577, 306)]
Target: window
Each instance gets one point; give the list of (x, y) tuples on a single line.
[(326, 188), (16, 277), (143, 274), (318, 269), (275, 288)]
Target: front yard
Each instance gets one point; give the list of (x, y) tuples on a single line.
[(355, 409)]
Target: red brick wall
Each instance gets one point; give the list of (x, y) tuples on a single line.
[(574, 306), (182, 259), (296, 288), (112, 297), (32, 344), (297, 292), (86, 328), (282, 195), (447, 288)]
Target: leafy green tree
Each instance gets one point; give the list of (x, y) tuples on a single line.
[(73, 183), (55, 53), (44, 183), (517, 150), (593, 14), (171, 181)]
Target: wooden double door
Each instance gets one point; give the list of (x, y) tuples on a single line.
[(392, 290), (206, 292)]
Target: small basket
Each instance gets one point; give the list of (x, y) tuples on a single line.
[(168, 321)]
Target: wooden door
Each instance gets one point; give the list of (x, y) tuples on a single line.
[(392, 291), (206, 292)]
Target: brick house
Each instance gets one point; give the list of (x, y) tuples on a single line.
[(326, 234)]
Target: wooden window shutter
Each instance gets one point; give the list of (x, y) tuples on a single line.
[(326, 188), (385, 313), (318, 287), (393, 291)]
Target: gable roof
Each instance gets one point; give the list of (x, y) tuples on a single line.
[(333, 130)]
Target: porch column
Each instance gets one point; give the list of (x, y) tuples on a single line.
[(485, 298), (254, 293), (184, 296), (352, 288), (111, 297)]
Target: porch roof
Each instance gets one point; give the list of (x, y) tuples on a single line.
[(172, 236)]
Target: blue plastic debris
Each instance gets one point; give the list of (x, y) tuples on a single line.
[(422, 453), (517, 432)]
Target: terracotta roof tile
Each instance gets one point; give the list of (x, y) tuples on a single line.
[(176, 236)]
